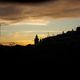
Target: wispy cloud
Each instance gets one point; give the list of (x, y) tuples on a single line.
[(10, 12)]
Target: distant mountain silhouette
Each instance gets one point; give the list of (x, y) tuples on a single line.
[(61, 49)]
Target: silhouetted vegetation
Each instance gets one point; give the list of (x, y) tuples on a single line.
[(61, 49)]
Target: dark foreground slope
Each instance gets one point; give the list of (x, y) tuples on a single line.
[(60, 49)]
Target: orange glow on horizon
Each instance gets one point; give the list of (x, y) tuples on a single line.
[(23, 43)]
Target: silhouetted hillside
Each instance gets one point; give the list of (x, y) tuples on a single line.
[(61, 49), (71, 39)]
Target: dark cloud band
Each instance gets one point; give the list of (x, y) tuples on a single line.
[(26, 1), (52, 9)]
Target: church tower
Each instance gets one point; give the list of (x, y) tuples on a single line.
[(36, 40)]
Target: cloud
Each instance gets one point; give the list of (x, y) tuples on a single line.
[(11, 12), (16, 12), (26, 1)]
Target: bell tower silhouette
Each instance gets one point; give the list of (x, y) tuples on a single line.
[(36, 40)]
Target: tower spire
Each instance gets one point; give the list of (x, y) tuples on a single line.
[(36, 40)]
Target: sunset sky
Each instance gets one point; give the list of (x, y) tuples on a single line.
[(21, 21)]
